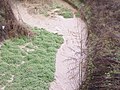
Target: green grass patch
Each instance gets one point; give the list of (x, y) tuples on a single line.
[(63, 11), (77, 14), (38, 55), (46, 9), (66, 13)]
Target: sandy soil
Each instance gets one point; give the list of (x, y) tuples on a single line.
[(70, 57)]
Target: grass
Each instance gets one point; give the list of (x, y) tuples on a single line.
[(47, 8), (66, 13), (77, 14), (38, 55), (63, 11)]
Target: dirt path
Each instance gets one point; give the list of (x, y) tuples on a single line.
[(70, 56)]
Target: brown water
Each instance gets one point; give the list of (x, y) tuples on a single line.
[(70, 57)]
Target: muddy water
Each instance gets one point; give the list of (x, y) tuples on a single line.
[(70, 57)]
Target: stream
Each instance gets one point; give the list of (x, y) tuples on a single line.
[(70, 57)]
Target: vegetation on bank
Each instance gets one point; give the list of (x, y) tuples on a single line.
[(29, 64), (102, 19)]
